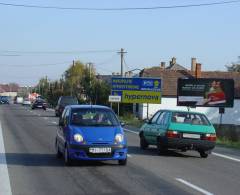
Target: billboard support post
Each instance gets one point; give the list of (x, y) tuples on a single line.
[(221, 112), (118, 108), (221, 115), (147, 110)]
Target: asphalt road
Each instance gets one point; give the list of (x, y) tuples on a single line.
[(28, 164)]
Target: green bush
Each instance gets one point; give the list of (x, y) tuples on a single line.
[(227, 142), (131, 120)]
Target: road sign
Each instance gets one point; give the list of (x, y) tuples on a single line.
[(137, 90), (114, 98)]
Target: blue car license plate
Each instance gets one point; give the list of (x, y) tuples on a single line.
[(100, 150)]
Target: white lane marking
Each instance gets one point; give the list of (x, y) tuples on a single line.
[(46, 118), (5, 186), (213, 153), (194, 186), (129, 155), (131, 131), (53, 122), (225, 156)]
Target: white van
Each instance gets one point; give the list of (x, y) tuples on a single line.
[(19, 100)]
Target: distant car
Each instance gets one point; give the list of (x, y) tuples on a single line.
[(4, 100), (18, 100), (26, 102), (39, 103), (90, 132), (170, 129), (64, 101)]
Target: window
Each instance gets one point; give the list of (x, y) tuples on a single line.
[(189, 118), (155, 117), (68, 101), (93, 117), (63, 114), (66, 117), (163, 118)]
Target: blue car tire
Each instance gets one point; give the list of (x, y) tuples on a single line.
[(67, 159), (58, 153), (122, 162)]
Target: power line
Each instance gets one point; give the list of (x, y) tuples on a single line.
[(60, 63), (125, 64), (35, 65), (108, 60), (99, 65), (11, 55), (14, 52), (120, 9)]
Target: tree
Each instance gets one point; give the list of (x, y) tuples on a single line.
[(74, 78), (101, 91), (235, 66), (78, 80)]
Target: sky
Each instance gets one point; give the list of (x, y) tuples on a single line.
[(48, 40)]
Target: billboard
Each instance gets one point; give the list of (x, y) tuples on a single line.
[(205, 92), (137, 90)]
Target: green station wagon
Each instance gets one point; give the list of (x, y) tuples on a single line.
[(171, 129)]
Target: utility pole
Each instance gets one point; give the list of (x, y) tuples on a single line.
[(72, 79), (122, 52), (62, 83), (90, 84)]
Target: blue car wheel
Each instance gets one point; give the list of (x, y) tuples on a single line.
[(58, 153), (67, 159), (122, 162)]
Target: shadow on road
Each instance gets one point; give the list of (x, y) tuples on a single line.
[(34, 115), (153, 152), (46, 160)]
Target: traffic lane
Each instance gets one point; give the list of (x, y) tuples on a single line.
[(48, 114), (33, 167), (227, 151), (215, 174), (41, 112), (235, 153), (194, 154)]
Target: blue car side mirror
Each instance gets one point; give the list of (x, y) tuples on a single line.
[(122, 124)]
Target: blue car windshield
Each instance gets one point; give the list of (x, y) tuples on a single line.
[(93, 117)]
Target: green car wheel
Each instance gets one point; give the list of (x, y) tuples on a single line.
[(143, 143)]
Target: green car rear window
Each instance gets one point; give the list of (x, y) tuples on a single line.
[(189, 118)]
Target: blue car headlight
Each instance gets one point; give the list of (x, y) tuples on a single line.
[(78, 138), (119, 138)]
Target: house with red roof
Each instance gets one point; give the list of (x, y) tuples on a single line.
[(170, 75)]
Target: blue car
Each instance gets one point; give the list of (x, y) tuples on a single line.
[(4, 100), (90, 132)]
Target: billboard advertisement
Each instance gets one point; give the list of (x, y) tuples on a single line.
[(137, 90), (205, 92)]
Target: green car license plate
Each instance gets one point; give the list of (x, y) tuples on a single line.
[(188, 135)]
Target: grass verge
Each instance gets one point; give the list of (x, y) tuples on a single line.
[(228, 143), (131, 120)]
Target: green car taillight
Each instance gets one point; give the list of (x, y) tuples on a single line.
[(209, 137), (172, 134)]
